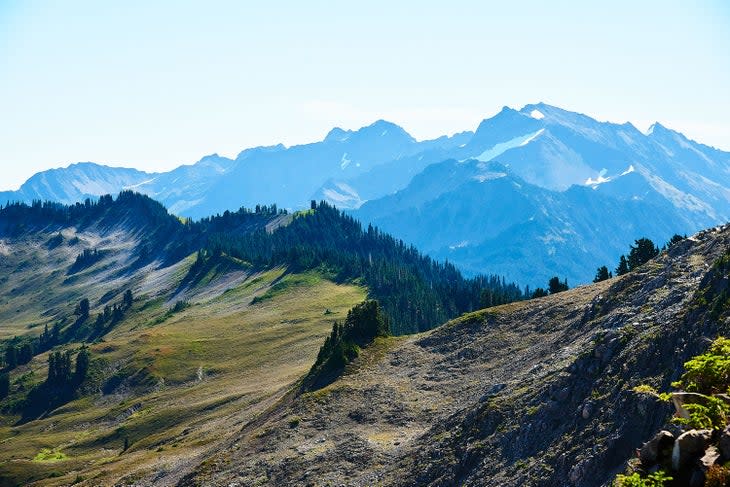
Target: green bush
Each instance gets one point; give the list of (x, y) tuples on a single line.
[(708, 373), (657, 479)]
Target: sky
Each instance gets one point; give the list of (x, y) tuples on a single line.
[(153, 85)]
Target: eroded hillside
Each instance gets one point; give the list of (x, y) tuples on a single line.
[(191, 359), (530, 393), (134, 343)]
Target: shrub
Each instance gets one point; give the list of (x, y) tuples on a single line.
[(657, 479), (717, 476)]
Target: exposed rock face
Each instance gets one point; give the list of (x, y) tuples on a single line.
[(428, 411), (689, 447), (655, 450)]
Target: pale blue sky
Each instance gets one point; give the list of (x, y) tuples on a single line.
[(156, 84)]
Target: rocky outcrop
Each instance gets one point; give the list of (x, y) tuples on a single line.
[(537, 393)]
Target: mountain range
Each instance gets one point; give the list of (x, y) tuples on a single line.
[(530, 193), (141, 349)]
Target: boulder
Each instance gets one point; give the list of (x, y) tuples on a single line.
[(690, 446), (587, 410), (710, 458), (654, 450)]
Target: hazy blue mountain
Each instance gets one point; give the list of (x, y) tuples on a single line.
[(456, 197), (390, 176), (287, 176), (185, 187), (290, 176), (542, 191), (76, 183), (481, 217)]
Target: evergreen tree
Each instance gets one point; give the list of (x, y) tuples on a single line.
[(59, 369), (555, 286), (602, 274), (364, 322), (128, 298), (11, 357), (82, 365), (623, 266), (56, 334), (4, 384), (539, 293), (642, 252), (99, 323), (676, 238), (25, 353), (82, 310)]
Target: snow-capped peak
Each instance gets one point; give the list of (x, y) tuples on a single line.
[(599, 180)]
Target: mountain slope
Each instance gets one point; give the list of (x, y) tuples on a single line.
[(587, 189), (482, 217), (384, 175), (526, 394), (192, 328)]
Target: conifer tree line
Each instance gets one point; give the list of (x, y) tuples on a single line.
[(641, 252), (415, 292), (20, 351), (60, 373), (363, 324)]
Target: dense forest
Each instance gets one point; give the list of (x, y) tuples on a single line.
[(415, 292)]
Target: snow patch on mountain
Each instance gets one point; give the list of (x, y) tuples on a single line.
[(599, 180), (502, 147), (344, 161), (679, 198), (459, 245), (134, 186), (488, 172), (629, 170), (344, 194), (537, 114)]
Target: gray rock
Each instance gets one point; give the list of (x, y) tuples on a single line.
[(711, 457), (652, 450), (577, 472), (492, 391), (689, 446), (587, 410)]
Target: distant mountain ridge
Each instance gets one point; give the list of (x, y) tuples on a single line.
[(626, 182), (287, 176)]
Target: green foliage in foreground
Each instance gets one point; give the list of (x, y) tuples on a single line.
[(657, 479), (706, 375)]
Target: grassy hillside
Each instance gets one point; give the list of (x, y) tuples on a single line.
[(173, 385), (193, 329)]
